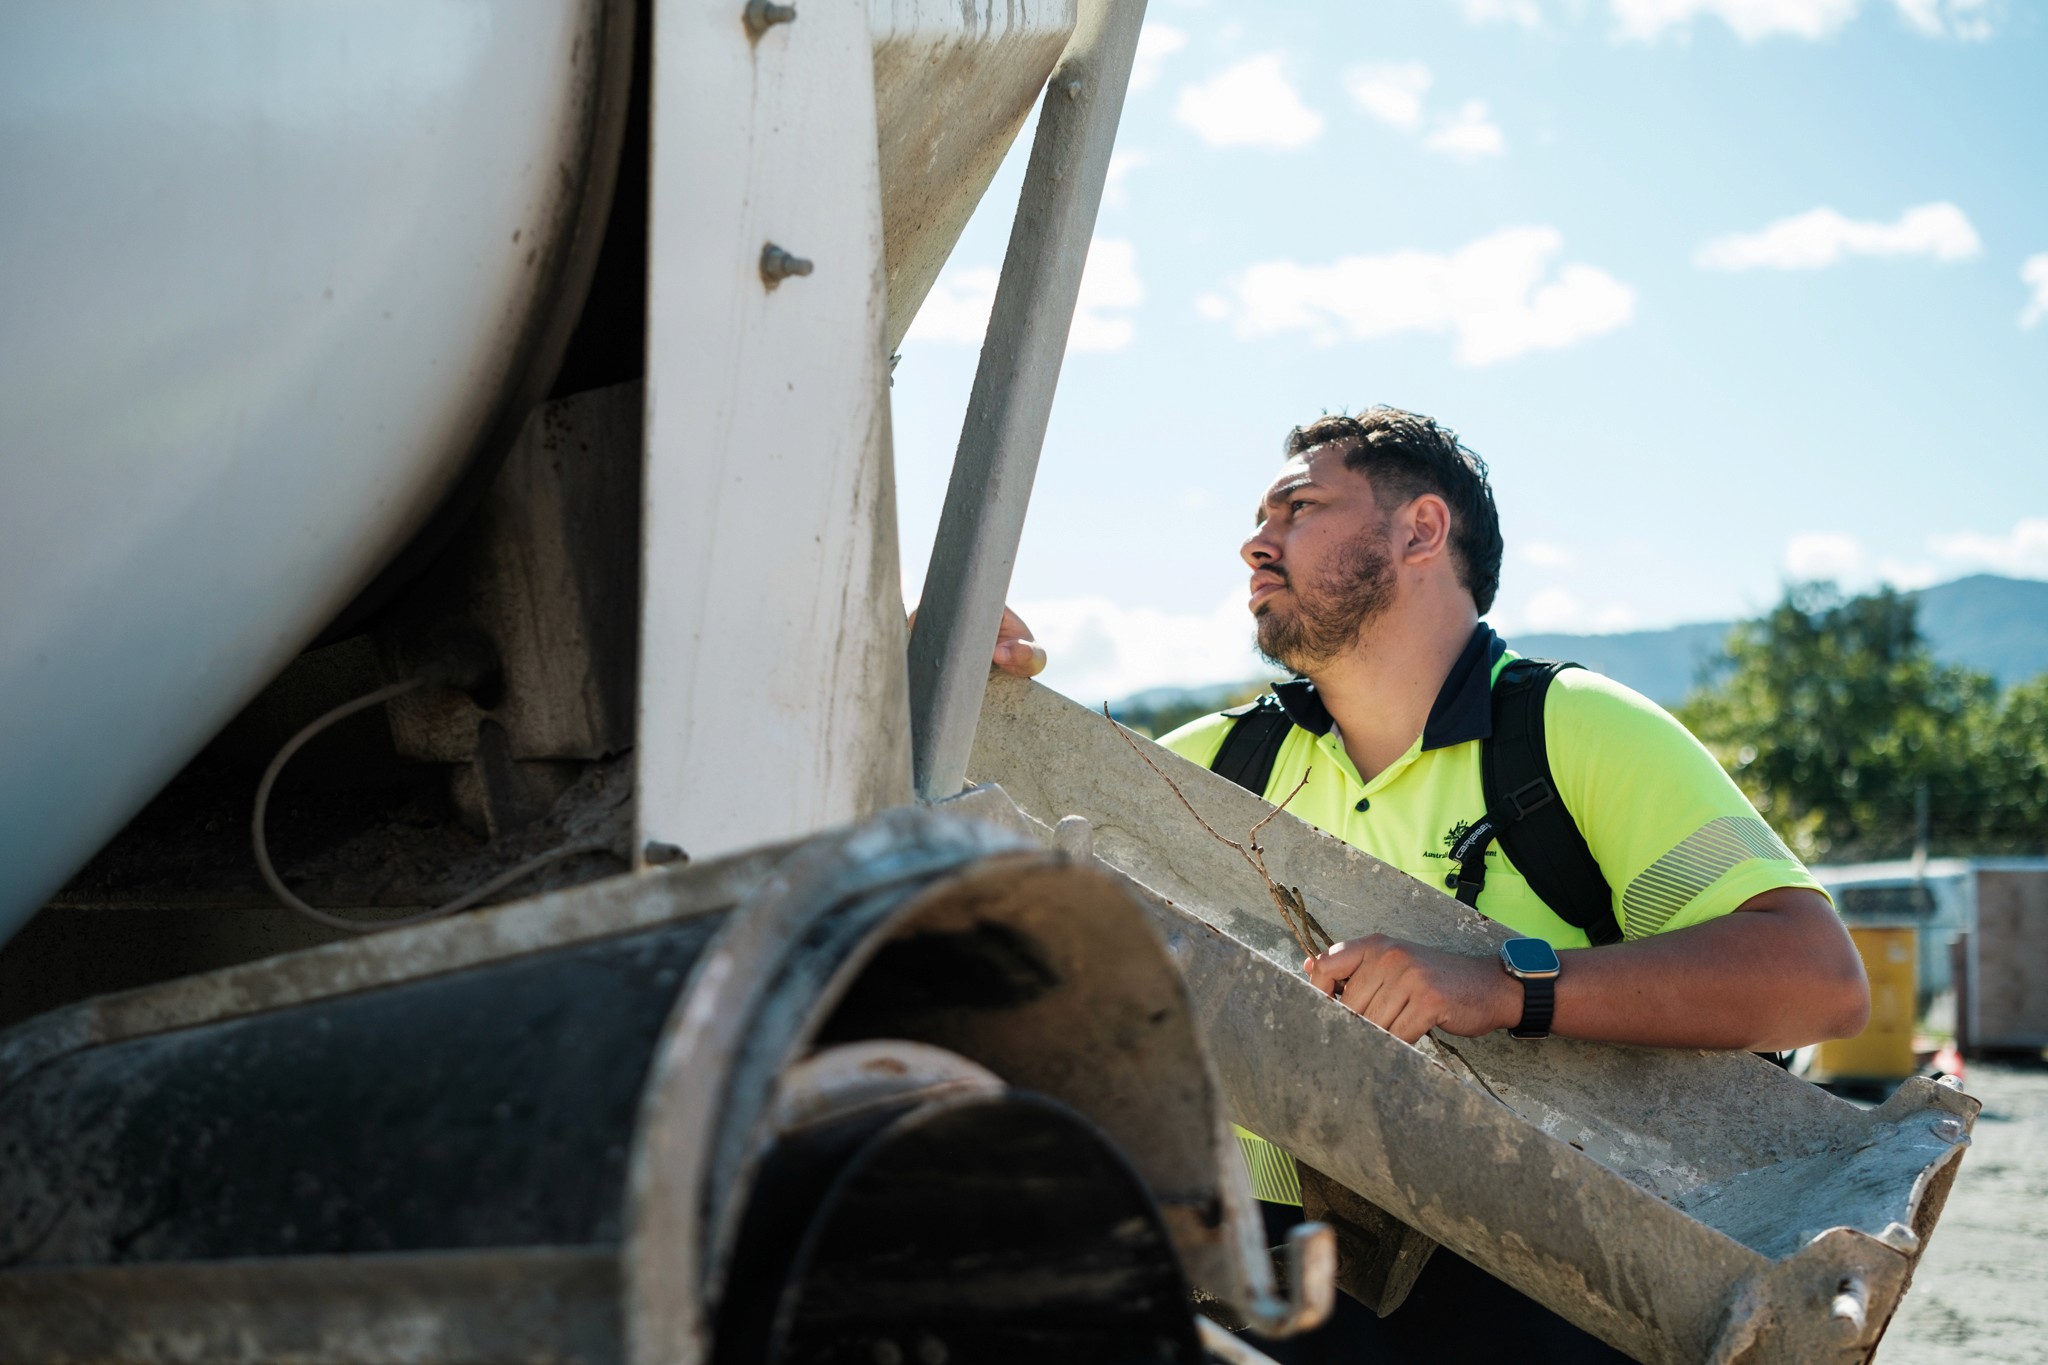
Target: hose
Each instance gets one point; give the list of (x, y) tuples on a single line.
[(284, 895)]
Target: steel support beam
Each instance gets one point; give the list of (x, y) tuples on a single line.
[(772, 693), (1000, 440)]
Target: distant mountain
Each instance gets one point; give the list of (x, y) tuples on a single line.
[(1663, 665), (1995, 625)]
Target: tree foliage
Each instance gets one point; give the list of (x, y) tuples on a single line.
[(1834, 713)]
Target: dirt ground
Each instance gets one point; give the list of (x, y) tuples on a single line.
[(1981, 1294)]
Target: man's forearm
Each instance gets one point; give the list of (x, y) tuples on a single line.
[(1779, 973)]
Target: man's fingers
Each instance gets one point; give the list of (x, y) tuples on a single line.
[(1411, 1023), (1328, 969), (1024, 658), (1365, 993), (1016, 652)]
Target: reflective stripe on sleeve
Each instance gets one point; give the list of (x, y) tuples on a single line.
[(1274, 1178)]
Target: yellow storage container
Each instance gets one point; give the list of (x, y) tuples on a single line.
[(1884, 1050)]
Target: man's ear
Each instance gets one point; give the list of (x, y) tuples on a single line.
[(1424, 529)]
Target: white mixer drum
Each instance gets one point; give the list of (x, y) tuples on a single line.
[(270, 274)]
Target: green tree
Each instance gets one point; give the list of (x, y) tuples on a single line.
[(2009, 748), (1834, 713)]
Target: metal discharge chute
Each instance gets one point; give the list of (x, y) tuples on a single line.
[(1683, 1206)]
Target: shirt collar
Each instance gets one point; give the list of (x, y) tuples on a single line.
[(1462, 711)]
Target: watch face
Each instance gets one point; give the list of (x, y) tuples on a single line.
[(1531, 956)]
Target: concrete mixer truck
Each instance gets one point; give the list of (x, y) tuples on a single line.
[(487, 873)]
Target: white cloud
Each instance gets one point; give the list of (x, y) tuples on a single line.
[(1391, 92), (1121, 164), (956, 312), (1823, 554), (1555, 609), (1821, 237), (2022, 551), (1502, 296), (1751, 20), (1964, 19), (1544, 554), (1470, 135), (1156, 42), (1908, 577), (1100, 651), (1250, 104), (1523, 13), (2034, 274), (1109, 285), (1754, 20)]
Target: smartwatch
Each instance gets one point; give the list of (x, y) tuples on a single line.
[(1535, 964)]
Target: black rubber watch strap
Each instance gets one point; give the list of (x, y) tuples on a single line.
[(1539, 1002)]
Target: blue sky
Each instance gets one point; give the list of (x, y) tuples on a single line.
[(1726, 291)]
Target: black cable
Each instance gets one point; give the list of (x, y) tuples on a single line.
[(276, 883)]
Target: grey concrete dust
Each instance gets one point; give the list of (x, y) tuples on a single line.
[(1980, 1296)]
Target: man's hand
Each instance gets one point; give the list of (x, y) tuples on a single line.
[(1408, 989), (1778, 973), (1015, 652)]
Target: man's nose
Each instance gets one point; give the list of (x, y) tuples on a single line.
[(1258, 550)]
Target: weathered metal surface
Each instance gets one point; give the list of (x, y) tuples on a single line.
[(478, 937), (772, 692), (340, 247), (900, 1233), (537, 1306), (600, 1068), (487, 1108), (953, 84), (1028, 967), (548, 572), (1379, 1257), (1007, 412), (1677, 1204)]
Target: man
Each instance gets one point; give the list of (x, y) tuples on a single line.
[(1376, 552)]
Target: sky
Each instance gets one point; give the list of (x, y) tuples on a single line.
[(1728, 293)]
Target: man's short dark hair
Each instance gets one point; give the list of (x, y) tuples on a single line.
[(1405, 455)]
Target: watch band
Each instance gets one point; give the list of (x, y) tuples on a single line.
[(1539, 1002)]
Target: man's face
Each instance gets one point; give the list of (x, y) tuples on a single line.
[(1321, 566)]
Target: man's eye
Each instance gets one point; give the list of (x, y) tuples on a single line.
[(1297, 504)]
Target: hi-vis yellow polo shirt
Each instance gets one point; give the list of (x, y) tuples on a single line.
[(1677, 840)]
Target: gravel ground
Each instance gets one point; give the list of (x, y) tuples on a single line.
[(1981, 1293)]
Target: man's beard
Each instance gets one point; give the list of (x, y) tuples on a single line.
[(1327, 616)]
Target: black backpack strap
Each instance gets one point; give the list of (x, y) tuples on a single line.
[(1526, 814), (1253, 744)]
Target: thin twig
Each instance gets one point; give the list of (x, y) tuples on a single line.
[(1309, 935), (1253, 837), (1175, 787)]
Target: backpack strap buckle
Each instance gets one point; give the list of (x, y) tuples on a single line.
[(1531, 797)]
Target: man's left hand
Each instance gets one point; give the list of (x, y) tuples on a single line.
[(1408, 989)]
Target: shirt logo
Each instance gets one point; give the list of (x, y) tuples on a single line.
[(1451, 838)]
